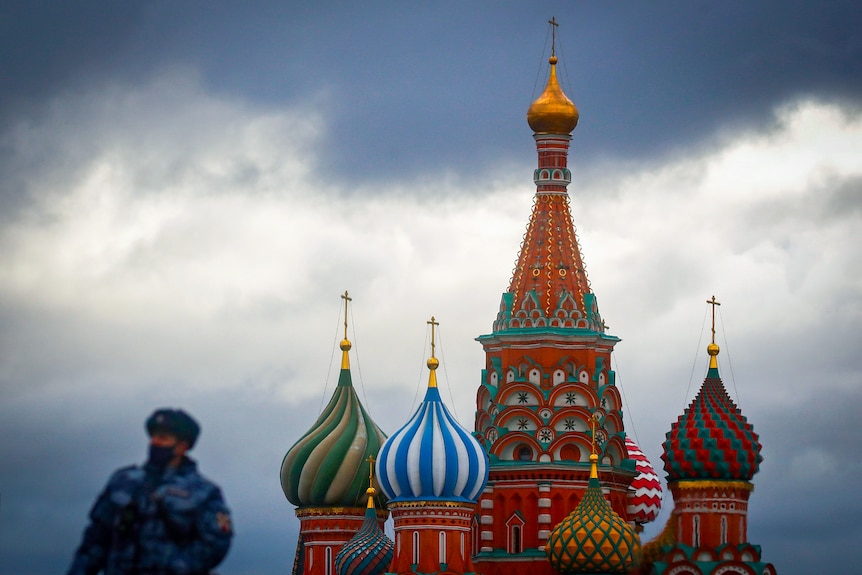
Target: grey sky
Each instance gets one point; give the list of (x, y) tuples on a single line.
[(188, 189)]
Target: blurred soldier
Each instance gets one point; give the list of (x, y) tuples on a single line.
[(162, 518)]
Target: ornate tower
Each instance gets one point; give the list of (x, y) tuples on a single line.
[(432, 471), (710, 455), (547, 373), (323, 474)]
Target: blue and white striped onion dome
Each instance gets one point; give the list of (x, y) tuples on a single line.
[(432, 458)]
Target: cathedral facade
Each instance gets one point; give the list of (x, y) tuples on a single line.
[(547, 481)]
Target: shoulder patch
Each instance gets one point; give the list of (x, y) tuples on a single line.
[(224, 523)]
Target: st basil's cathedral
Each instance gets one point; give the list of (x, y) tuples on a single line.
[(547, 482)]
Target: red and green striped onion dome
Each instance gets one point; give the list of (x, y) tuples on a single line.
[(369, 552), (712, 439), (593, 539), (329, 465), (645, 493)]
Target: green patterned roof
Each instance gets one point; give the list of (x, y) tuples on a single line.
[(593, 538), (711, 439)]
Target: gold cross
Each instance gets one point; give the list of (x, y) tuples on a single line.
[(432, 323), (370, 461), (346, 299), (553, 23), (593, 421), (713, 303)]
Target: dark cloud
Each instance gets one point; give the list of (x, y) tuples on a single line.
[(448, 85)]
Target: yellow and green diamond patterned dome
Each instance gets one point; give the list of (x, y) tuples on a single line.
[(593, 538)]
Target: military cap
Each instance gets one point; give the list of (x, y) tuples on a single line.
[(176, 422)]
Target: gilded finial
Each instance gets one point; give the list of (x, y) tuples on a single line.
[(712, 349), (594, 458), (552, 112), (370, 491), (345, 343), (433, 362)]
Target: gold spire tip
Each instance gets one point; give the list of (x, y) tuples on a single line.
[(433, 362), (594, 458), (552, 112), (370, 491), (712, 349), (345, 343)]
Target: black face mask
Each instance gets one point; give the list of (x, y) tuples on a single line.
[(160, 456)]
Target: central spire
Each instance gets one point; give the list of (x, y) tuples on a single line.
[(549, 286)]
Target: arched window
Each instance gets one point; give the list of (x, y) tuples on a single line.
[(696, 534), (327, 568), (515, 528), (415, 547), (475, 536), (442, 547), (723, 530)]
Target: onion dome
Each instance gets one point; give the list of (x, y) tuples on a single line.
[(644, 501), (552, 112), (711, 439), (369, 552), (326, 466), (432, 457), (593, 538)]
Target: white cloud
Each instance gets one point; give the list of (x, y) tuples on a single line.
[(185, 248)]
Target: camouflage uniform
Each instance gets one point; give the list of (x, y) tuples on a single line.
[(153, 522)]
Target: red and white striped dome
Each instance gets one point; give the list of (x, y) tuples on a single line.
[(644, 497)]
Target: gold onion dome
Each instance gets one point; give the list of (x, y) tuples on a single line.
[(593, 538), (552, 112)]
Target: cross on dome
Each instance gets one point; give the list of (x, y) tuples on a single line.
[(712, 349)]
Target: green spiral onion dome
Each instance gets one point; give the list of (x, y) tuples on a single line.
[(593, 538), (329, 465)]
